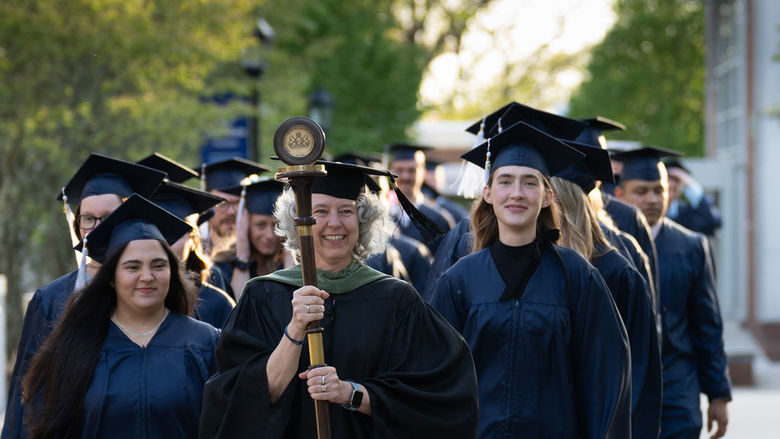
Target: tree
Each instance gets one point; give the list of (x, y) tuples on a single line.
[(649, 74)]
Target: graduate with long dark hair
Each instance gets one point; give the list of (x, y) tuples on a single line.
[(549, 347), (126, 360), (98, 187)]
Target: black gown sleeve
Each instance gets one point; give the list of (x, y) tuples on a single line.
[(429, 387)]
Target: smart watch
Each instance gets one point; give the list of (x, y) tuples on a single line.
[(356, 399), (242, 265)]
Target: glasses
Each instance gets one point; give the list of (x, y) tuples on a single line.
[(227, 205), (88, 222)]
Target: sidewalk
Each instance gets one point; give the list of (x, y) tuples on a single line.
[(755, 411)]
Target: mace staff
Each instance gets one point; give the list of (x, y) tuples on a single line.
[(299, 143)]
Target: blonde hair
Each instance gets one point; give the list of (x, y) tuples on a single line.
[(580, 228), (374, 225), (484, 223)]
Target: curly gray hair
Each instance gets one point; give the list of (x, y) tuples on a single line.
[(374, 225)]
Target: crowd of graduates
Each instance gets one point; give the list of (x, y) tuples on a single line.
[(567, 301)]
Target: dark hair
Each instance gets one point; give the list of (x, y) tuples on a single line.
[(198, 263), (62, 370), (484, 223)]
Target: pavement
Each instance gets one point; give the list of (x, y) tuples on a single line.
[(754, 412)]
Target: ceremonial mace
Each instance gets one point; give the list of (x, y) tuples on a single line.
[(299, 142)]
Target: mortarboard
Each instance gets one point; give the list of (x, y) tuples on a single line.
[(260, 195), (405, 151), (593, 133), (552, 124), (348, 181), (137, 218), (523, 145), (644, 162), (594, 166), (183, 201), (674, 162), (358, 158), (229, 173), (101, 174), (177, 172), (489, 120)]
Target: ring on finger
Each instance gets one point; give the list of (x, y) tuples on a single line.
[(323, 380), (324, 387), (308, 307)]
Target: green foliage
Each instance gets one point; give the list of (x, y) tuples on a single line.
[(649, 74)]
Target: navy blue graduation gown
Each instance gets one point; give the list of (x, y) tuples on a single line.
[(705, 218), (629, 248), (417, 369), (632, 297), (552, 364), (694, 360), (438, 215), (630, 219), (151, 392), (406, 259), (214, 305), (456, 244), (456, 211), (43, 312), (216, 278)]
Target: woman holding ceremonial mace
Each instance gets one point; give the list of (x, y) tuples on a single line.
[(395, 367)]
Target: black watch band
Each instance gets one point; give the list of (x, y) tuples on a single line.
[(242, 265)]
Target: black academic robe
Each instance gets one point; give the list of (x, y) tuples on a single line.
[(441, 217), (632, 297), (417, 370), (404, 258), (694, 360), (214, 305), (553, 363), (43, 312), (456, 244), (630, 219), (151, 392)]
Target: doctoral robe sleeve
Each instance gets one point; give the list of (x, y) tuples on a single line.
[(429, 388), (236, 400), (35, 329), (707, 330), (601, 362)]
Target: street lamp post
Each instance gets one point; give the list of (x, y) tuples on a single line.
[(254, 63), (321, 107)]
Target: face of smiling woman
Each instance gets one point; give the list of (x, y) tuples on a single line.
[(142, 278), (336, 231)]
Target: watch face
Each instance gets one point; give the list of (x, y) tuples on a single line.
[(357, 397)]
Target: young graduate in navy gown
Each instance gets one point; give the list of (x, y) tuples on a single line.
[(580, 230), (214, 304), (126, 360), (550, 350), (99, 186), (395, 367), (694, 360), (258, 250)]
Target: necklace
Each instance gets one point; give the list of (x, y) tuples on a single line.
[(136, 333)]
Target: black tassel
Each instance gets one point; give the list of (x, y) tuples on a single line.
[(429, 230)]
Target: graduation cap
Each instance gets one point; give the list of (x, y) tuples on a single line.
[(137, 218), (348, 181), (644, 162), (674, 162), (358, 158), (260, 195), (183, 201), (594, 166), (177, 172), (552, 124), (101, 174), (229, 173), (489, 120), (405, 151), (523, 145), (593, 133)]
